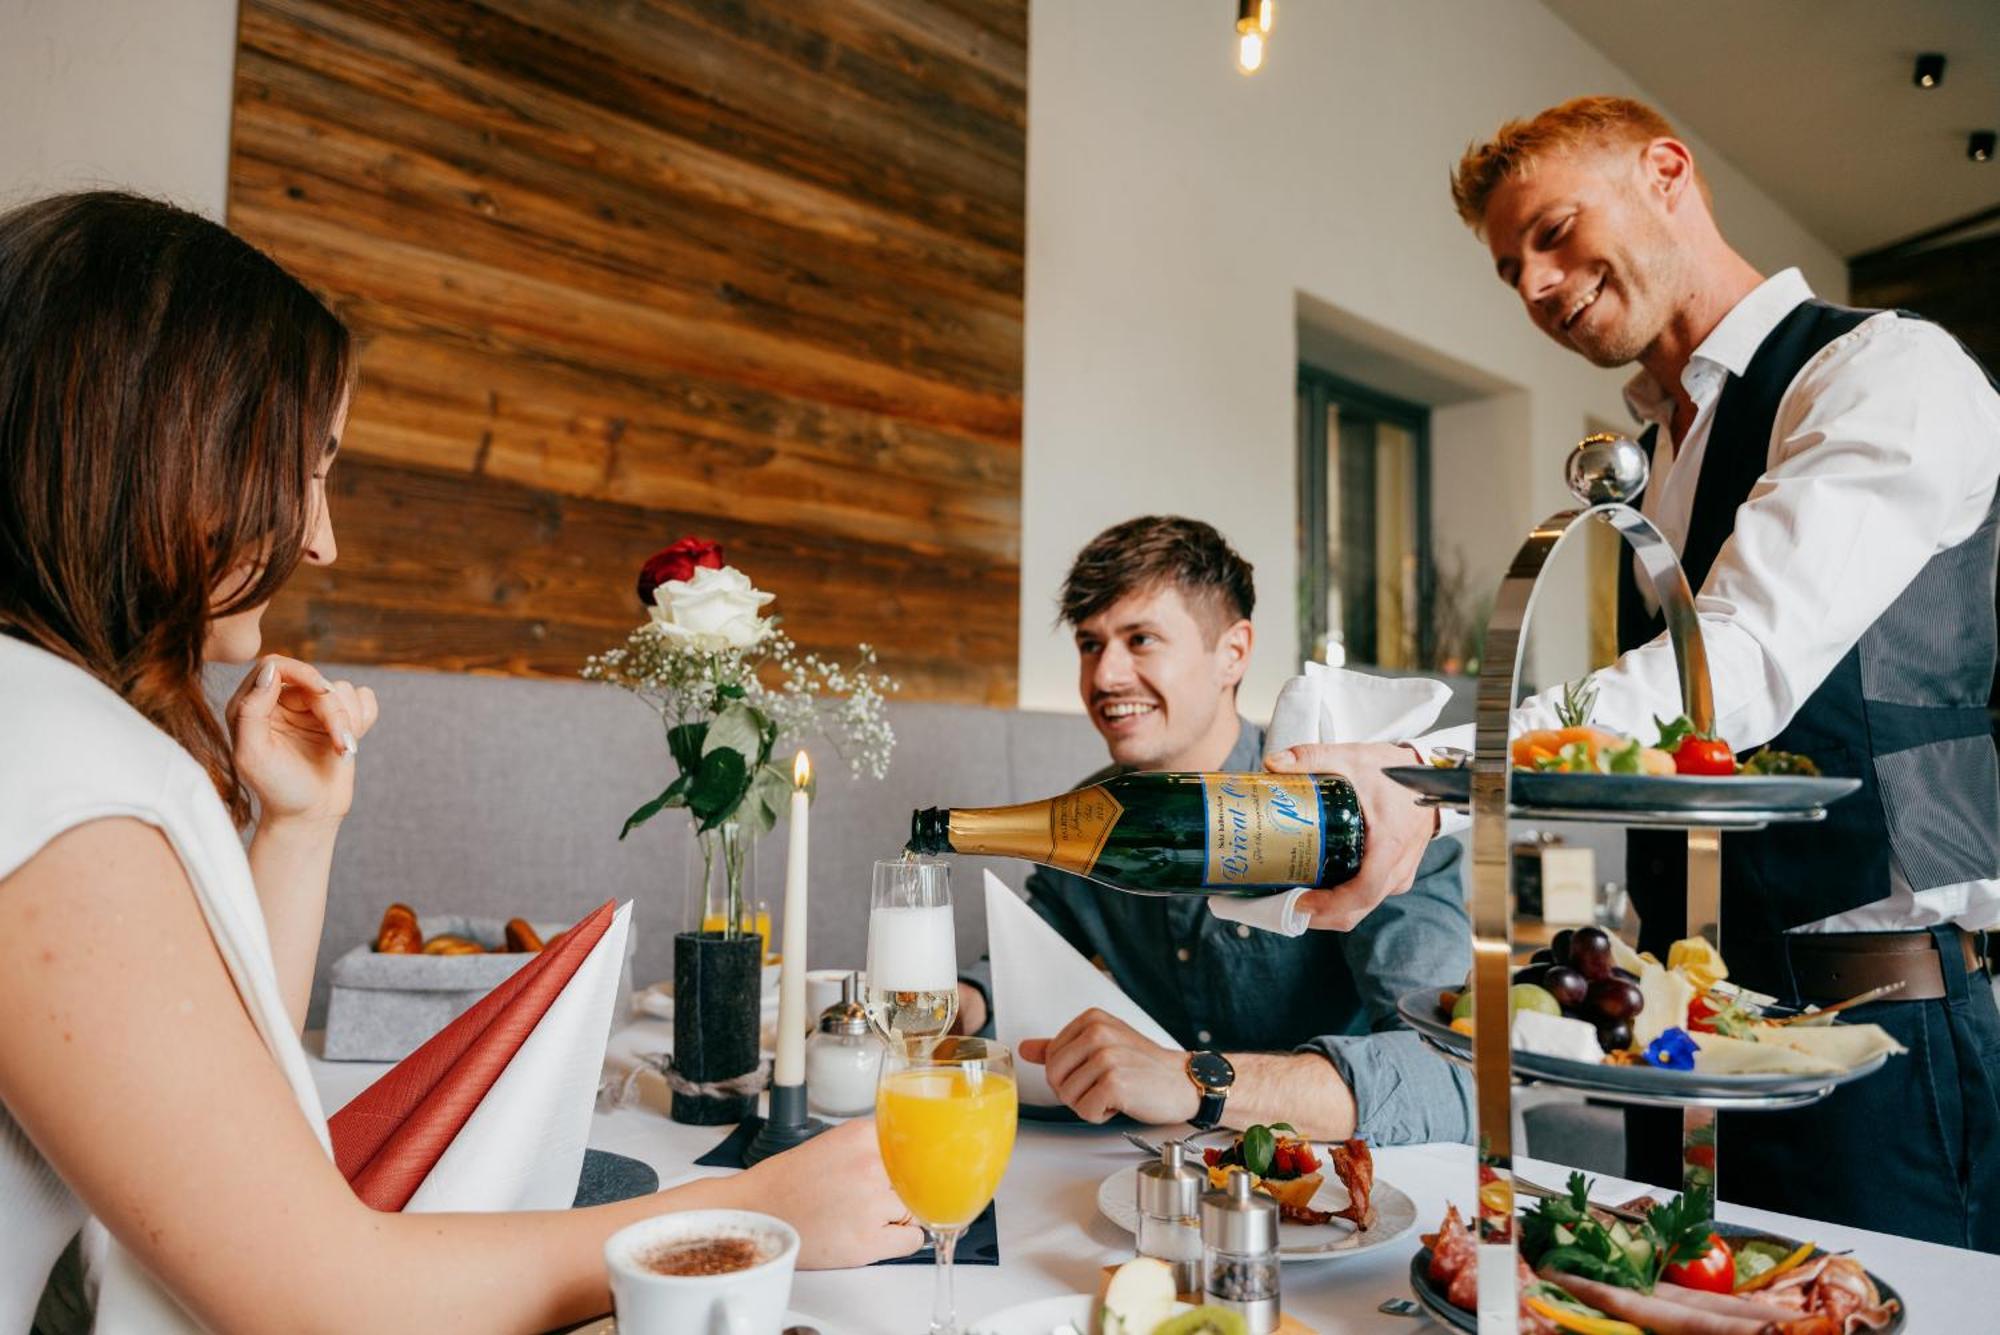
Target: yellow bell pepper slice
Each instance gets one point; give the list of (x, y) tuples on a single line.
[(1796, 1259), (1582, 1325)]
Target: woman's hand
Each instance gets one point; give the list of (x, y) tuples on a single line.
[(295, 734), (835, 1192)]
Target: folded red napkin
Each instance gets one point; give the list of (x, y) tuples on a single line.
[(388, 1139)]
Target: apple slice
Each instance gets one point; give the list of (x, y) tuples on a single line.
[(1139, 1298)]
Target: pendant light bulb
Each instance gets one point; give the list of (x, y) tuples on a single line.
[(1249, 52), (1253, 23)]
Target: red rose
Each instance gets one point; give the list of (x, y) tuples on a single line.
[(679, 561)]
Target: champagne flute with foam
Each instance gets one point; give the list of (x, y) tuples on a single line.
[(912, 953)]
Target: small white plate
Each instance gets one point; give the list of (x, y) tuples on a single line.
[(1396, 1215), (609, 1325), (1046, 1316)]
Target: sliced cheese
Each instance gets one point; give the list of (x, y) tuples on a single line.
[(1667, 995)]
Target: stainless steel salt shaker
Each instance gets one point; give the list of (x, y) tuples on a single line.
[(1169, 1214), (1239, 1252)]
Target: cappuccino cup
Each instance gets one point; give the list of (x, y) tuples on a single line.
[(702, 1272)]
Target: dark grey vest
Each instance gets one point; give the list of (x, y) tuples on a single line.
[(1904, 711)]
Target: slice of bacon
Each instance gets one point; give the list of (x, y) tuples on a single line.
[(1355, 1167)]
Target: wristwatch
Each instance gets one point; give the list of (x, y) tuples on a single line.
[(1212, 1076)]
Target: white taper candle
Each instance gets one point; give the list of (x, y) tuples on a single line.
[(790, 1068)]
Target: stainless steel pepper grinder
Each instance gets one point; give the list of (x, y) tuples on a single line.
[(1239, 1252), (1169, 1199)]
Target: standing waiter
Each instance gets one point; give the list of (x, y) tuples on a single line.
[(1828, 478)]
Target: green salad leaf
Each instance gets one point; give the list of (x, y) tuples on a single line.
[(1674, 733), (1562, 1234)]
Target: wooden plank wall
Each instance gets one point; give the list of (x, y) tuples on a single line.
[(628, 270)]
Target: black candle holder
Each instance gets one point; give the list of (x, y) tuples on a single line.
[(786, 1126)]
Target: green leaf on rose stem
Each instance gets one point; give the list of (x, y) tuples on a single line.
[(737, 729), (770, 795), (685, 743), (674, 795), (718, 787)]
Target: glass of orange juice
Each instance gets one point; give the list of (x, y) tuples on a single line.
[(944, 1113)]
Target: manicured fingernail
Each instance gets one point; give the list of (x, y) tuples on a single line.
[(266, 675), (348, 746)]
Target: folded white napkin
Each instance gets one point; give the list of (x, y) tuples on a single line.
[(1327, 703), (1041, 983)]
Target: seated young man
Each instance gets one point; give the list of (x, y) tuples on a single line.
[(1308, 1025)]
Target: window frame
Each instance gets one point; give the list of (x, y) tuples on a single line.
[(1317, 390)]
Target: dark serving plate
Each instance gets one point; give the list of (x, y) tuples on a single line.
[(1433, 1299), (1765, 796)]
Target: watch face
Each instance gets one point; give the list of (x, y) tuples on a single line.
[(1211, 1070)]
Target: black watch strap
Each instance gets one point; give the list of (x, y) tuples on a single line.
[(1208, 1113)]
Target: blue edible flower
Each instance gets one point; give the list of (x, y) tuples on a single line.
[(1673, 1050)]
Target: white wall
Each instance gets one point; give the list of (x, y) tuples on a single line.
[(130, 93), (1178, 211)]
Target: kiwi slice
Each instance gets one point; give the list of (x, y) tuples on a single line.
[(1204, 1321)]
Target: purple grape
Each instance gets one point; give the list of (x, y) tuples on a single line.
[(1614, 1035), (1566, 985), (1559, 946), (1534, 973), (1614, 999), (1543, 956), (1625, 974), (1590, 953)]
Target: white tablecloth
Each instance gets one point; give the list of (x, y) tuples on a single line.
[(1053, 1241)]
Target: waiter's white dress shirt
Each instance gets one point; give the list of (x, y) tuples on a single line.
[(1885, 451)]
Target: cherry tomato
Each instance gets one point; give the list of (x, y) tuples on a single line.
[(1714, 1270), (1308, 1161), (1701, 1016), (1704, 755), (1211, 1156)]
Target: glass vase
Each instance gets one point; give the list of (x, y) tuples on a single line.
[(722, 878)]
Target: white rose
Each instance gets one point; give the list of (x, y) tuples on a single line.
[(717, 609)]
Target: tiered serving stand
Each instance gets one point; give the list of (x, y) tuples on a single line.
[(1604, 472)]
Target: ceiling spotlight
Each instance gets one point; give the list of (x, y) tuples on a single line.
[(1253, 25), (1930, 70), (1980, 146)]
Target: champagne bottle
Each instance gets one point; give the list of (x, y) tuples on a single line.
[(1171, 834)]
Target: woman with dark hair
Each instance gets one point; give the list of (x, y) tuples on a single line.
[(170, 403)]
